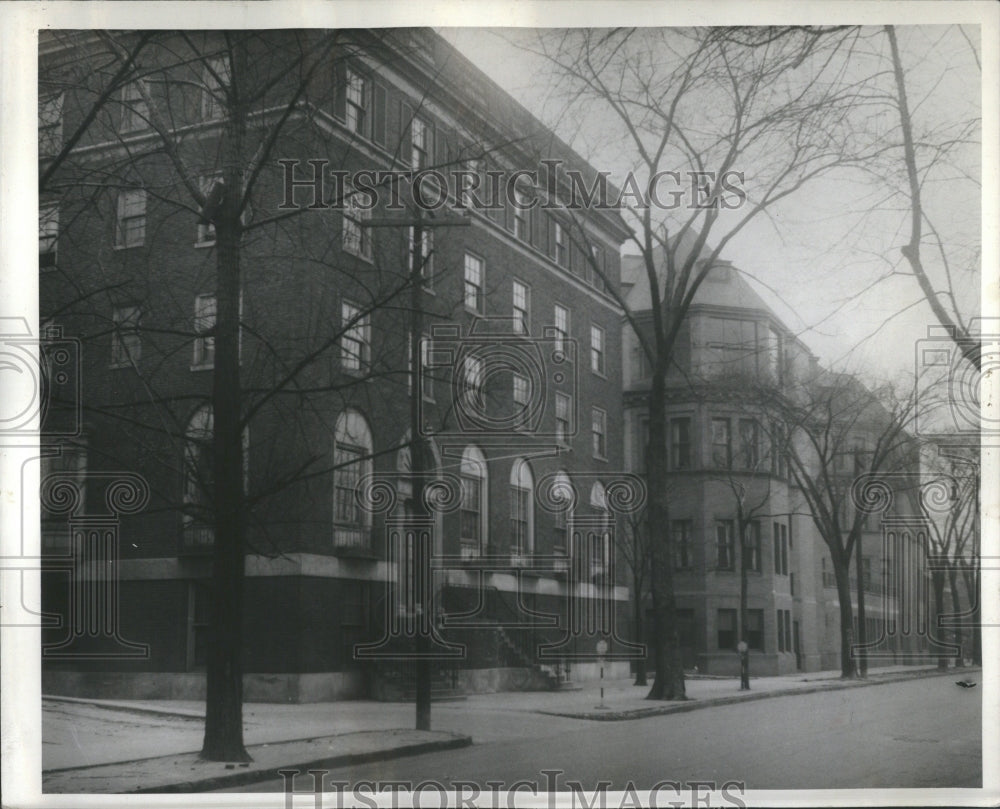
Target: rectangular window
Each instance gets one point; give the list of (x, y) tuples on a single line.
[(680, 443), (427, 371), (206, 231), (355, 342), (563, 425), (471, 383), (521, 298), (780, 616), (357, 97), (356, 236), (788, 630), (598, 420), (215, 80), (561, 317), (722, 445), (751, 547), (131, 222), (204, 321), (681, 533), (474, 271), (724, 544), (520, 389), (135, 112), (521, 225), (784, 549), (777, 548), (48, 236), (560, 249), (732, 345), (420, 144), (126, 347), (749, 443), (426, 256), (597, 349), (779, 458), (755, 629), (50, 125), (726, 628)]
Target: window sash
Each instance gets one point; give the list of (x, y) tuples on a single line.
[(131, 223), (347, 512), (521, 295), (598, 422), (597, 349), (357, 94), (204, 319), (563, 426), (473, 283), (126, 346), (722, 445), (724, 545), (680, 443), (355, 343)]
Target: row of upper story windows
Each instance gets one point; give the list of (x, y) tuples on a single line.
[(737, 444), (361, 105)]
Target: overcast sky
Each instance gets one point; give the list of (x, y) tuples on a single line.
[(836, 237)]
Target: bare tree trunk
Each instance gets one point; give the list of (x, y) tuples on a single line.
[(841, 567), (862, 656), (937, 581), (669, 680), (224, 676), (640, 663), (956, 608), (742, 562)]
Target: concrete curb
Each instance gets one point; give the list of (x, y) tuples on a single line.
[(249, 776), (694, 704), (125, 707)]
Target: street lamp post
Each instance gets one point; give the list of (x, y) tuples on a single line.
[(744, 651)]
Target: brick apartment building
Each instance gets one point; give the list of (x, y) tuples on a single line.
[(127, 269), (721, 447)]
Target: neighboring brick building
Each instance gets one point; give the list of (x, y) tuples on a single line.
[(720, 448), (127, 269)]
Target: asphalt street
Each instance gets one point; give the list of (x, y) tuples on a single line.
[(917, 733)]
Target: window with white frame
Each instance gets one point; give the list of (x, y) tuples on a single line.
[(599, 432), (204, 323), (561, 317), (215, 80), (564, 426), (560, 249), (597, 350), (724, 547), (522, 300), (48, 235), (472, 513), (50, 125), (135, 112), (522, 516), (600, 539), (358, 99), (130, 230), (352, 462), (474, 280), (420, 144), (522, 398), (206, 232), (355, 342), (356, 235), (521, 215), (126, 345), (426, 255), (471, 385)]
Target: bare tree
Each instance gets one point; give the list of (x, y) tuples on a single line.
[(699, 108), (839, 430)]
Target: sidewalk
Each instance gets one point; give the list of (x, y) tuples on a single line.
[(106, 746)]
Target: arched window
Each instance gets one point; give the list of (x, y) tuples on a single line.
[(600, 539), (352, 451), (474, 502), (199, 478), (522, 508)]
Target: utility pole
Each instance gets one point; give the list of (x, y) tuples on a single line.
[(421, 585)]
